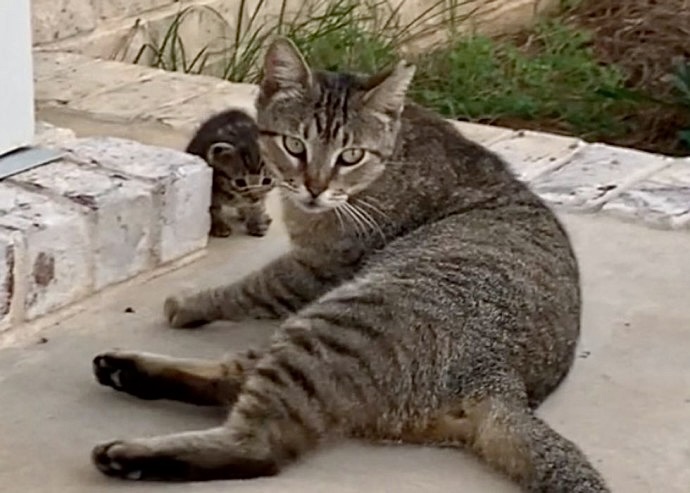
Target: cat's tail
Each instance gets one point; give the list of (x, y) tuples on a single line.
[(512, 439)]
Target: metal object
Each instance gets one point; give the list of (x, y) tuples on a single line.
[(25, 159)]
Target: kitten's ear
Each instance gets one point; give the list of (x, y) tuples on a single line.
[(219, 149), (285, 69), (386, 91)]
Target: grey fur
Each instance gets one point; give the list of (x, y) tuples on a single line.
[(228, 141), (429, 297)]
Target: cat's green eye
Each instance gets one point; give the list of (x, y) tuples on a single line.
[(350, 157), (294, 146)]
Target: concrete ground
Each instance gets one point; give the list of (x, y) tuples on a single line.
[(627, 402)]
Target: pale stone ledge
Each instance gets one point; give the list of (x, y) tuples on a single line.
[(567, 172), (109, 210)]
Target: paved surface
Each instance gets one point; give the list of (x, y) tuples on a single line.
[(627, 402)]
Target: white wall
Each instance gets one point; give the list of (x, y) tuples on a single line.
[(16, 75)]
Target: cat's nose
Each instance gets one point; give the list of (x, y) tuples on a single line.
[(314, 189)]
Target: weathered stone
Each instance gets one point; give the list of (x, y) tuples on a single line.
[(160, 89), (188, 116), (8, 251), (118, 9), (183, 187), (47, 135), (121, 212), (662, 200), (595, 174), (53, 268), (482, 134), (69, 83), (531, 154), (52, 20)]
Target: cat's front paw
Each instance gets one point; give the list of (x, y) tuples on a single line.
[(260, 227), (181, 317), (220, 229), (132, 461)]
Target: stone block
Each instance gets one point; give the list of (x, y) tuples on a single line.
[(47, 135), (58, 81), (157, 90), (531, 154), (8, 248), (53, 264), (121, 212), (118, 9), (182, 181), (189, 116), (56, 19), (662, 200), (595, 174), (482, 134)]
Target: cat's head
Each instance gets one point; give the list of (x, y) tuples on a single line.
[(234, 155), (327, 135)]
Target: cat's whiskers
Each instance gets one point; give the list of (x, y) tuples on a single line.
[(360, 229), (373, 207), (338, 213), (364, 219)]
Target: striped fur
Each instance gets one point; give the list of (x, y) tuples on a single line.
[(441, 305), (228, 141)]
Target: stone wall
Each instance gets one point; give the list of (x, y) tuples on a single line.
[(117, 29)]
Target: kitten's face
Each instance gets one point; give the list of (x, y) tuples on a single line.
[(326, 135), (239, 173)]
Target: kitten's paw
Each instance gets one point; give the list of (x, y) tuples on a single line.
[(220, 230), (259, 228), (121, 372), (129, 461), (180, 317)]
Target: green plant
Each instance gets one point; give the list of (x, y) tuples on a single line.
[(681, 83), (359, 35), (556, 79)]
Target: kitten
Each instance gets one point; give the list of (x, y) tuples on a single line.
[(429, 297), (229, 143)]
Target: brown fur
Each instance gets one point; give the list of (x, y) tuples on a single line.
[(228, 141), (429, 297)]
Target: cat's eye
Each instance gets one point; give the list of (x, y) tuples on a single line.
[(266, 181), (294, 146), (240, 182), (350, 157)]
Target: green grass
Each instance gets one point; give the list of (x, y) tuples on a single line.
[(556, 82)]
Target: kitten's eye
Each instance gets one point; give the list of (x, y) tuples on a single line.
[(241, 182), (266, 181), (293, 145), (350, 157)]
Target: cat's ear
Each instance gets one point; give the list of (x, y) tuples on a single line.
[(285, 70), (386, 92), (219, 150)]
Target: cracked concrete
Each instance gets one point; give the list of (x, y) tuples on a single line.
[(626, 403)]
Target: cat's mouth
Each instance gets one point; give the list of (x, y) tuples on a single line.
[(311, 204)]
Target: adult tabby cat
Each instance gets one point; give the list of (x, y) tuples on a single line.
[(429, 297)]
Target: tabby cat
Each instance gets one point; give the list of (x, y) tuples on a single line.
[(429, 297), (228, 141)]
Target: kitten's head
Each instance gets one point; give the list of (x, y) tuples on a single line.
[(327, 135), (234, 155)]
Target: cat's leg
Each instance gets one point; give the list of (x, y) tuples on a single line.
[(495, 421), (193, 456), (220, 226), (280, 288), (152, 376), (255, 218), (290, 403)]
